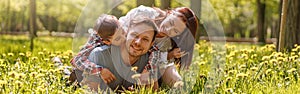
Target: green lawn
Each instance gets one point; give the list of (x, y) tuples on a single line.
[(230, 68)]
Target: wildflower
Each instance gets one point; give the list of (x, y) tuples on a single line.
[(281, 59), (265, 58), (254, 56), (273, 61), (229, 90), (66, 57), (268, 71), (19, 83), (292, 70), (21, 75), (47, 59), (10, 54), (228, 78), (52, 55), (21, 54), (34, 58), (3, 82), (28, 54), (202, 63), (243, 66), (4, 55), (178, 84), (136, 76), (41, 53), (134, 68), (241, 75), (253, 68), (13, 74), (33, 74)]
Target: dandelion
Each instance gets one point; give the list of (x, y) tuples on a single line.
[(229, 90), (268, 71), (65, 57), (33, 74), (47, 59), (273, 61), (34, 58), (3, 82), (41, 53), (10, 54), (243, 66), (265, 58), (21, 75), (292, 70), (254, 68), (134, 68), (21, 54), (228, 78), (12, 74), (28, 54), (136, 76), (19, 83), (52, 55), (178, 84), (241, 75), (3, 55)]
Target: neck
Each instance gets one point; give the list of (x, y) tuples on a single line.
[(127, 58)]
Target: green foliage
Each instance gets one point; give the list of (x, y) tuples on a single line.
[(246, 68)]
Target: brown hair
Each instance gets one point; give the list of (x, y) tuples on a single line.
[(190, 18), (106, 25), (148, 22)]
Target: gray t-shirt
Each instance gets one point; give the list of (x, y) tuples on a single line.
[(110, 57)]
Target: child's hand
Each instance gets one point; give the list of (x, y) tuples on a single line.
[(107, 76), (175, 53)]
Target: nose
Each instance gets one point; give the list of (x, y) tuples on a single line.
[(137, 41)]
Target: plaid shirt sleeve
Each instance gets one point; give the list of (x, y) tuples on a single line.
[(81, 62)]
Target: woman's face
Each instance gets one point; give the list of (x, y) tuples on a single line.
[(172, 25)]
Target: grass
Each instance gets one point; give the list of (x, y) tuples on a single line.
[(230, 68)]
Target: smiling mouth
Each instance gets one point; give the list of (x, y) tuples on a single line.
[(134, 48)]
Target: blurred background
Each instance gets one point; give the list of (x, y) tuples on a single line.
[(251, 21)]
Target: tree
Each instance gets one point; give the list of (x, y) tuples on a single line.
[(261, 6), (290, 33), (32, 28), (196, 7), (145, 2), (165, 4)]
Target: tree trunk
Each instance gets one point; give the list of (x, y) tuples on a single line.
[(32, 16), (165, 4), (279, 26), (149, 3), (292, 26), (261, 20), (196, 7)]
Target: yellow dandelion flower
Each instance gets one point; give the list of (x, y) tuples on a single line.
[(22, 75), (33, 74), (134, 68), (273, 61), (52, 55), (254, 68), (241, 75), (34, 58), (28, 54), (292, 70), (21, 54), (66, 57), (265, 58), (136, 76), (229, 90), (47, 59), (19, 83), (4, 55), (268, 71), (243, 66), (178, 84), (41, 53), (3, 82), (13, 74), (10, 54)]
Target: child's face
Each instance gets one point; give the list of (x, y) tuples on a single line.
[(108, 40), (118, 37)]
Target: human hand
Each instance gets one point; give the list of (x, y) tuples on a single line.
[(107, 76), (176, 53)]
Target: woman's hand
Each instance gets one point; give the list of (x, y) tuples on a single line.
[(175, 53), (107, 76)]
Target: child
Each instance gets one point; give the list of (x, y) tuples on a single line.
[(103, 33)]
